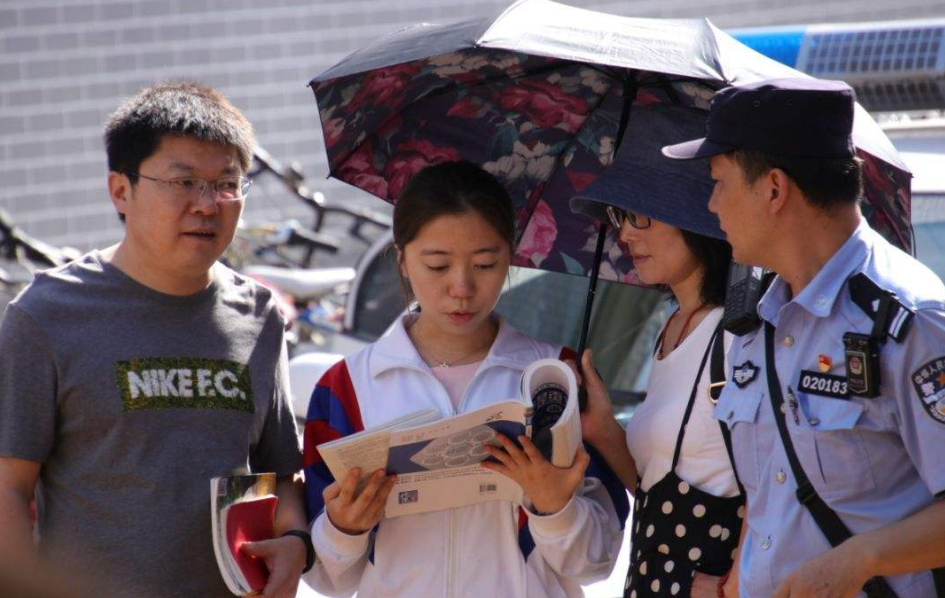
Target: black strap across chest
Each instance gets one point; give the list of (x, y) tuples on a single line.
[(691, 403), (716, 382), (715, 349), (833, 528)]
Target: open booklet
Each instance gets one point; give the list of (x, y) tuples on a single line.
[(437, 460), (243, 509)]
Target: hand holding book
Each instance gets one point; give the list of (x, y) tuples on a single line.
[(284, 559), (355, 508), (549, 488), (242, 511), (251, 560), (437, 460)]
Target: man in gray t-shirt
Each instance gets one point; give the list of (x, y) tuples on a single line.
[(132, 376)]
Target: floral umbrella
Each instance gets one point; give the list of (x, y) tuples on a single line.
[(538, 95)]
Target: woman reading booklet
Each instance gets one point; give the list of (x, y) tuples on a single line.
[(453, 231)]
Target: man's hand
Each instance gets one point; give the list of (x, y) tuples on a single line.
[(548, 487), (836, 573), (356, 512), (285, 559), (17, 481)]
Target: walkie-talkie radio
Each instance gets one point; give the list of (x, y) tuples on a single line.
[(746, 285)]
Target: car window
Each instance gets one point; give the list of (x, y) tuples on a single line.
[(626, 319), (380, 296)]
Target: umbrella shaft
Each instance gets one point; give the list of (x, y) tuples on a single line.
[(592, 287), (630, 88)]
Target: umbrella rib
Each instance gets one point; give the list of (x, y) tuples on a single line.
[(667, 87), (630, 89)]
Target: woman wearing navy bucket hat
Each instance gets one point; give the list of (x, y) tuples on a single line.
[(673, 455)]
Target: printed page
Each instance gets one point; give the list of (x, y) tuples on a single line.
[(369, 453), (438, 464), (411, 419), (368, 449)]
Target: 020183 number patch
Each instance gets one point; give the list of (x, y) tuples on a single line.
[(826, 385)]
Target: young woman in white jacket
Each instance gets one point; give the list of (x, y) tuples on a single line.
[(453, 230)]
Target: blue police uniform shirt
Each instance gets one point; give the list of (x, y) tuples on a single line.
[(874, 461)]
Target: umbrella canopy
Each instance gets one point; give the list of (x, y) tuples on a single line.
[(540, 96), (536, 94)]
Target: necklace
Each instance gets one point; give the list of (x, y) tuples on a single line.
[(444, 364), (438, 363), (435, 362), (682, 333)]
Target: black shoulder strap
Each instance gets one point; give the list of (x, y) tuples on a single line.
[(716, 382), (827, 520), (890, 317), (938, 576), (717, 367), (692, 399)]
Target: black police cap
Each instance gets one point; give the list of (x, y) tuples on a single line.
[(793, 117)]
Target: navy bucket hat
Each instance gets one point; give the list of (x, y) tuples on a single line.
[(644, 181)]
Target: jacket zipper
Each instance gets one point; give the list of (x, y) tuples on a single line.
[(450, 582), (450, 572), (450, 534)]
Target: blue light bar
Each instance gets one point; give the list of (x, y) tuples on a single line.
[(893, 65), (782, 45)]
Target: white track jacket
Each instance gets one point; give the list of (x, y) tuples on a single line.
[(488, 550)]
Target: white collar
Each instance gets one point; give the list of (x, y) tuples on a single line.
[(394, 350)]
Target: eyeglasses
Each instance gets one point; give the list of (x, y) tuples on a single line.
[(618, 215), (191, 187)]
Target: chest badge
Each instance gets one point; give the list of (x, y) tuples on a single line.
[(823, 384), (744, 374), (824, 363)]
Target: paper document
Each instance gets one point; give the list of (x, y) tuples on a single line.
[(437, 460)]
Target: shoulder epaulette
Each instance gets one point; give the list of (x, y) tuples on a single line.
[(890, 317)]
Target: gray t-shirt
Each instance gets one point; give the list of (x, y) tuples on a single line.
[(132, 400)]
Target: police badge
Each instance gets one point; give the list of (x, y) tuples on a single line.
[(929, 383), (744, 373)]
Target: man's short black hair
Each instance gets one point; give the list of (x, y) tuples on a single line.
[(826, 182), (185, 108)]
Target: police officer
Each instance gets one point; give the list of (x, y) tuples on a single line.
[(837, 399)]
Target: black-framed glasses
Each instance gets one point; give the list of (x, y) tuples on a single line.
[(616, 216), (192, 187)]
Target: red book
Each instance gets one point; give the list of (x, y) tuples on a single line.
[(250, 521)]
